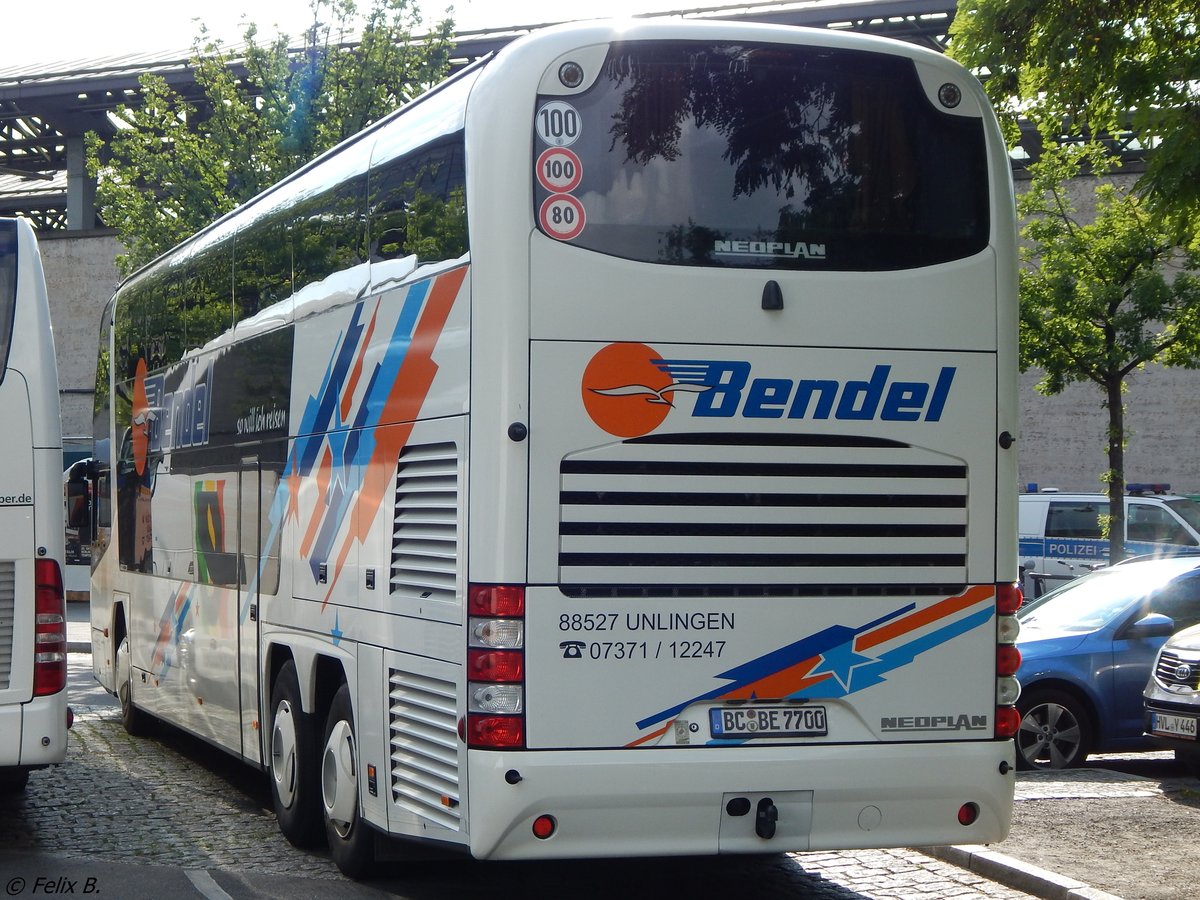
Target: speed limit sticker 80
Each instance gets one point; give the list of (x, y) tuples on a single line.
[(562, 216)]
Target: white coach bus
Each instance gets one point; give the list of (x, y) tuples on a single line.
[(609, 453), (34, 717)]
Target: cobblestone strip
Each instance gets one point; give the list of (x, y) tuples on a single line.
[(123, 797), (147, 800)]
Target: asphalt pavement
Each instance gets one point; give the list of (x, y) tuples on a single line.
[(1086, 834)]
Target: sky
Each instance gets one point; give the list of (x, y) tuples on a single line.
[(87, 30)]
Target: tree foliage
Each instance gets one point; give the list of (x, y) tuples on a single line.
[(260, 112), (1102, 297), (1100, 67), (1109, 290)]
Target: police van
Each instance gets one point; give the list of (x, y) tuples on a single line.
[(1061, 535)]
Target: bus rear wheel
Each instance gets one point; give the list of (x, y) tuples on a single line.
[(351, 840), (293, 763), (136, 722)]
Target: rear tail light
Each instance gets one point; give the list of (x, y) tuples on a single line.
[(495, 667), (1008, 659), (49, 629)]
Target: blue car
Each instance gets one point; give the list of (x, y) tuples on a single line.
[(1087, 650)]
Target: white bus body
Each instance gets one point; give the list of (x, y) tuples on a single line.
[(33, 667), (519, 494)]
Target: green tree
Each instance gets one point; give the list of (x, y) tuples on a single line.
[(1103, 297), (263, 110), (1100, 67)]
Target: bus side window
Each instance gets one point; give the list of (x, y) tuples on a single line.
[(418, 204)]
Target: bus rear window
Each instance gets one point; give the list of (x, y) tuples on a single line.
[(772, 156)]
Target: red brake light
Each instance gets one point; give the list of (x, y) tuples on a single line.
[(1008, 659), (1008, 599), (495, 732), (506, 666), (49, 630), (1008, 721), (507, 600)]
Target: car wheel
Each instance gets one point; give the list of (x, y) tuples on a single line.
[(295, 790), (351, 840), (1055, 732)]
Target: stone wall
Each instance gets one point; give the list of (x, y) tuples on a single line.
[(81, 274)]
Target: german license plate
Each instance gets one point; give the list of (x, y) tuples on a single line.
[(740, 722), (1176, 726)]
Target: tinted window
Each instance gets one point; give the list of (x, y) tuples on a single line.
[(768, 155), (1074, 520), (418, 204)]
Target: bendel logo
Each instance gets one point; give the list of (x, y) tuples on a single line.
[(628, 389)]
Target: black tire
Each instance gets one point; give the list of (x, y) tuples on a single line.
[(13, 781), (136, 722), (1055, 733), (292, 763), (351, 840)]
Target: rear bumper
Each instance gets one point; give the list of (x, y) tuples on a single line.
[(677, 801), (35, 733)]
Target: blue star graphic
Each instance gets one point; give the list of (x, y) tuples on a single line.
[(840, 662), (336, 632)]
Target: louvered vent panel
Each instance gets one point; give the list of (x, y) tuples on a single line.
[(425, 530), (424, 747), (698, 515), (8, 609)]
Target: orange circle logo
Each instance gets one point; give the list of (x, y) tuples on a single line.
[(623, 390)]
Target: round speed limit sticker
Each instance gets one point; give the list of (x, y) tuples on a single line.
[(562, 216), (558, 123)]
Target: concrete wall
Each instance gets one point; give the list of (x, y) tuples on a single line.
[(1062, 441), (81, 273)]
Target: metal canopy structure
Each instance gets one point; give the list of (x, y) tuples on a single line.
[(45, 111)]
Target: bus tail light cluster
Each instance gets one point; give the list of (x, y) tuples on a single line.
[(495, 667), (1008, 659), (49, 629)]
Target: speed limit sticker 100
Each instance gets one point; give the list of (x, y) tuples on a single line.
[(557, 123)]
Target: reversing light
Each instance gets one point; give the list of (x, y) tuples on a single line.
[(1008, 629), (500, 633), (1008, 689)]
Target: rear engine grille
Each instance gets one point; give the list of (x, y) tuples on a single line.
[(424, 747), (686, 516)]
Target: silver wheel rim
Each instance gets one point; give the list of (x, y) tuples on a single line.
[(339, 779), (283, 754), (1049, 737)]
